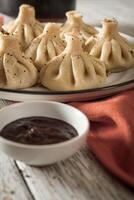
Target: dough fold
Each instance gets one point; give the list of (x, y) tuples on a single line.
[(73, 69)]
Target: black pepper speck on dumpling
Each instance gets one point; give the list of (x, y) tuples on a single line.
[(16, 71), (75, 24), (25, 27), (73, 69), (46, 46), (111, 47)]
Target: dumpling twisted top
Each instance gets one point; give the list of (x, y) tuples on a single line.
[(45, 46), (25, 26), (73, 69), (111, 47), (16, 71), (75, 24)]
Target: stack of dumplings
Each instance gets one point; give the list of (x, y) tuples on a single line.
[(60, 57)]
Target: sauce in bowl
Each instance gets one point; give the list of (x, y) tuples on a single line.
[(38, 131)]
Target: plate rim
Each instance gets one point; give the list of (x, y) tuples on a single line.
[(67, 92)]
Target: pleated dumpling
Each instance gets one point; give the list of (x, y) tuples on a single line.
[(73, 69), (45, 46), (16, 71), (75, 24), (25, 26), (111, 47)]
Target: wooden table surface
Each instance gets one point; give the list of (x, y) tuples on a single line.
[(80, 177)]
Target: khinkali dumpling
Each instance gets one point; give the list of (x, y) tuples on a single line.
[(75, 24), (16, 71), (111, 47), (45, 46), (25, 26), (73, 69)]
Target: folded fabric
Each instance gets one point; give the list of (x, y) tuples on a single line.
[(1, 21), (111, 137)]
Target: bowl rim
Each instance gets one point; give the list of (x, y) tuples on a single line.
[(48, 146)]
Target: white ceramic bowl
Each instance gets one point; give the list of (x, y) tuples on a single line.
[(39, 155)]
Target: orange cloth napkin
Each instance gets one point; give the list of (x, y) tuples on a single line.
[(1, 21), (111, 137)]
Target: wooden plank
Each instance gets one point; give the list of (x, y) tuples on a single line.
[(12, 185), (80, 177)]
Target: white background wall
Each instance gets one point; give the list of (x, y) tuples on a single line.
[(122, 10)]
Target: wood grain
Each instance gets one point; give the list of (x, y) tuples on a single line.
[(80, 177), (12, 185)]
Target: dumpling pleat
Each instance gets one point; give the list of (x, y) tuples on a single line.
[(78, 70), (50, 50), (89, 66), (59, 47), (19, 33), (12, 75), (41, 58), (65, 70), (125, 51), (28, 65), (52, 67), (96, 51), (89, 44), (29, 35), (106, 51), (116, 51), (31, 51), (99, 68), (85, 34)]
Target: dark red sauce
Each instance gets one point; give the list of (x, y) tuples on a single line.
[(38, 131)]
